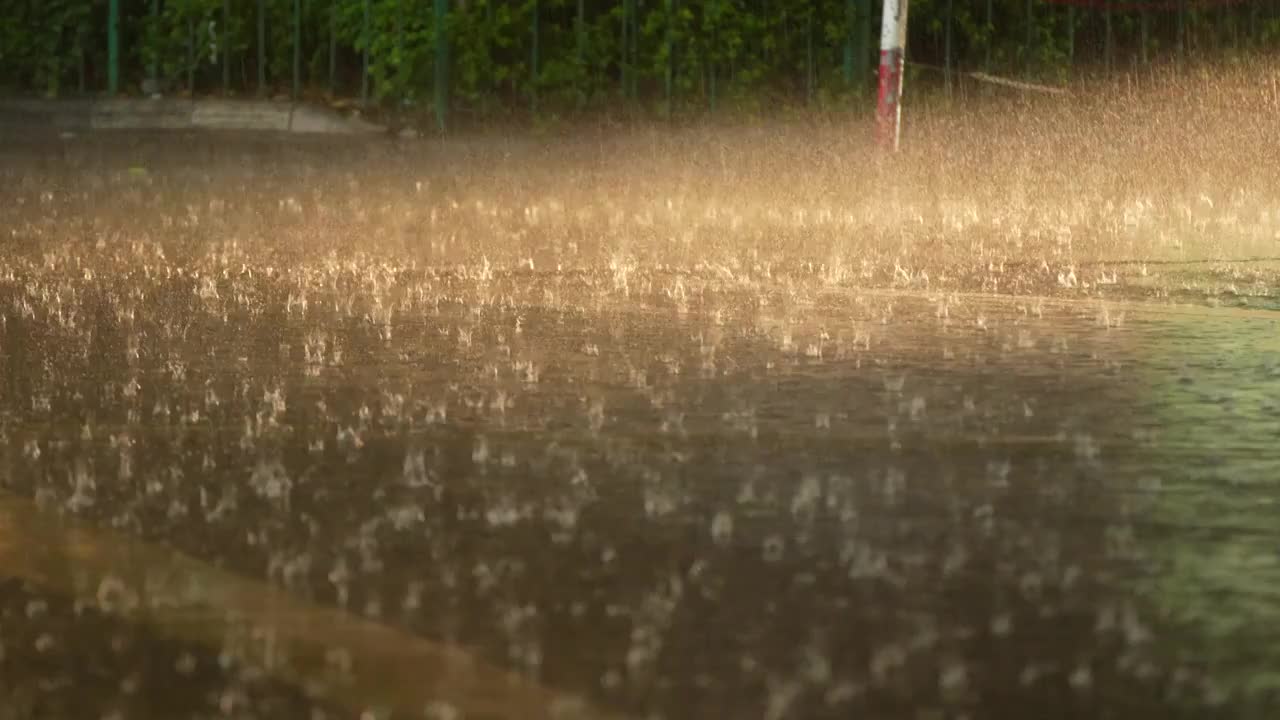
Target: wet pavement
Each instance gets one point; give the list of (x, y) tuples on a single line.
[(613, 473)]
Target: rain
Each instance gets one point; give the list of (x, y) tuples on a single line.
[(674, 422)]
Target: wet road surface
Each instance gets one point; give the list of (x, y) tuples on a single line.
[(239, 484)]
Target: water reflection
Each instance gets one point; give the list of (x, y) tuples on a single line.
[(1208, 481)]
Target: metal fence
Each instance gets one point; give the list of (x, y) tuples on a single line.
[(504, 56)]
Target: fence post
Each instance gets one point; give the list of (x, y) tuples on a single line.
[(226, 46), (153, 70), (365, 37), (1107, 41), (669, 46), (1182, 29), (533, 74), (893, 40), (623, 60), (862, 49), (113, 47), (399, 54), (808, 55), (850, 29), (333, 46), (991, 35), (192, 55), (946, 70), (262, 47), (580, 44), (714, 14), (1028, 57), (633, 14), (1071, 35), (1144, 28), (81, 58), (1253, 24), (297, 48), (441, 84)]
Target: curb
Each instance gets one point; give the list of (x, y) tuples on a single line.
[(180, 114)]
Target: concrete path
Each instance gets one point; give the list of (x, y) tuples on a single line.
[(179, 114), (184, 598)]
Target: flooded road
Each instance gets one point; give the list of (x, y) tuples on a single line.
[(406, 479)]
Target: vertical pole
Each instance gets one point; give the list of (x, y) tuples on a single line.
[(580, 52), (711, 72), (991, 35), (580, 34), (714, 16), (1144, 30), (1028, 49), (851, 28), (635, 50), (808, 54), (1234, 11), (262, 47), (893, 40), (82, 69), (399, 58), (333, 46), (297, 48), (494, 84), (1253, 23), (1228, 14), (862, 50), (440, 87), (625, 62), (946, 70), (191, 55), (113, 47), (1071, 35), (366, 37), (767, 21), (669, 49), (1107, 47), (1179, 42), (153, 70), (533, 74), (226, 46)]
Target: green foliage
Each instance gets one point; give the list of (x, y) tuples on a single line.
[(483, 33), (184, 37), (40, 41), (689, 54)]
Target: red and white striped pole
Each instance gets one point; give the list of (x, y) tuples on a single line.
[(893, 43)]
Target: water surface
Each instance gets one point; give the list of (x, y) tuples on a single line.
[(238, 484)]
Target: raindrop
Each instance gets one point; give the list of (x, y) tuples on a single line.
[(1081, 679), (773, 548), (953, 680), (1002, 624), (722, 528), (440, 710)]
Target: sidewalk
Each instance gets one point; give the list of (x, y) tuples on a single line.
[(179, 114)]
